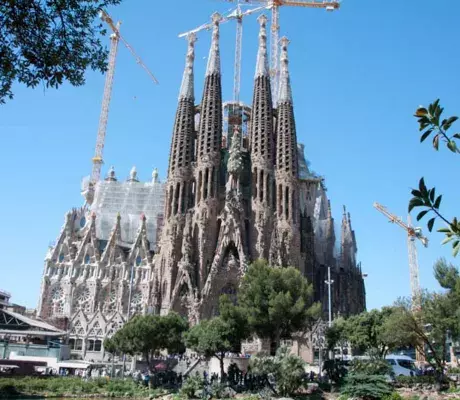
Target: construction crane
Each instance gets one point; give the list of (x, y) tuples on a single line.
[(115, 38), (412, 234), (274, 5), (238, 15)]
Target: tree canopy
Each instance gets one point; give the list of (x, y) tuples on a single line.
[(278, 301), (148, 335), (220, 334), (367, 332), (432, 123), (50, 41)]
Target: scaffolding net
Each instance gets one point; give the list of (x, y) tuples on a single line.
[(131, 200)]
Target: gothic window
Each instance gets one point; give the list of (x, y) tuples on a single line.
[(82, 222), (110, 305), (138, 260), (61, 257), (96, 330), (57, 301), (78, 329), (83, 300), (136, 303), (87, 259), (72, 344)]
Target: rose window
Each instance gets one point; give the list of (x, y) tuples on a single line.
[(136, 302), (82, 300)]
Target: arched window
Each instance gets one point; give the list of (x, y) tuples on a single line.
[(79, 344), (72, 344), (138, 260)]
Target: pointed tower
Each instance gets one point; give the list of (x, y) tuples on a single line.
[(287, 195), (208, 158), (330, 237), (262, 147), (180, 185), (347, 243)]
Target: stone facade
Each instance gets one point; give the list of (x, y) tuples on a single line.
[(227, 205), (95, 278), (228, 200)]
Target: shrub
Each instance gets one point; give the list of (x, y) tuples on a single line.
[(370, 367), (393, 396), (287, 369), (409, 381), (366, 387), (192, 385)]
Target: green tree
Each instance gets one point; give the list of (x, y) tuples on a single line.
[(148, 335), (366, 332), (287, 369), (49, 42), (428, 328), (336, 335), (278, 301), (432, 123), (215, 337)]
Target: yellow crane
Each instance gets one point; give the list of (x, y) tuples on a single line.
[(97, 160), (274, 5)]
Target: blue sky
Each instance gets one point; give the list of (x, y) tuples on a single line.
[(357, 74)]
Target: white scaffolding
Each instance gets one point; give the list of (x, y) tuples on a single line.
[(131, 200)]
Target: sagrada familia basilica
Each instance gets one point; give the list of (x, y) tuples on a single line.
[(230, 198)]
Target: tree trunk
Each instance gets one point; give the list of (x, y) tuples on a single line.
[(221, 361)]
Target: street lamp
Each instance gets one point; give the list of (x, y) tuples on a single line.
[(329, 283)]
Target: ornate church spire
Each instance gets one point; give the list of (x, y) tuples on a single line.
[(214, 52), (262, 150), (262, 59), (210, 126), (187, 87), (287, 182), (285, 92), (181, 156)]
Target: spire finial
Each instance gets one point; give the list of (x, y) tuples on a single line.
[(262, 60), (111, 176), (214, 53), (285, 93), (133, 175), (155, 175), (187, 87)]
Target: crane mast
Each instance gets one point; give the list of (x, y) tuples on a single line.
[(102, 130), (237, 15), (98, 160), (238, 52), (412, 234), (274, 5)]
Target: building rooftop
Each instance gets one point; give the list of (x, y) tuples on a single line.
[(13, 323)]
